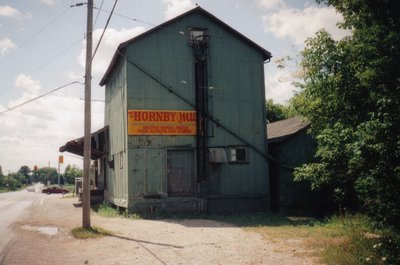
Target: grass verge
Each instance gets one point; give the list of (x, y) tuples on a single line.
[(338, 240), (344, 240), (106, 210), (91, 232)]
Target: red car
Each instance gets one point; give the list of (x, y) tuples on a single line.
[(55, 189)]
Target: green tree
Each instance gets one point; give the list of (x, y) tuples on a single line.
[(276, 112), (72, 172), (1, 177), (351, 95), (25, 171), (46, 174), (15, 180)]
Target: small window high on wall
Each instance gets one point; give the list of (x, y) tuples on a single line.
[(239, 155)]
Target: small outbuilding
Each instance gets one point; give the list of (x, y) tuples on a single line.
[(291, 146)]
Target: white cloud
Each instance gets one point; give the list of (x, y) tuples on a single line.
[(75, 76), (8, 11), (50, 2), (279, 86), (11, 12), (177, 7), (302, 24), (6, 46), (270, 4), (112, 38), (32, 134), (28, 85)]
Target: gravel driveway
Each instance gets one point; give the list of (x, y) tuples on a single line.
[(43, 238)]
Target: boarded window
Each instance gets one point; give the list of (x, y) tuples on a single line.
[(180, 172)]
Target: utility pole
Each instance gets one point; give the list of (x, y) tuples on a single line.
[(87, 123)]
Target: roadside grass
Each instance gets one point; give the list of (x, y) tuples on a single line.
[(91, 232), (344, 240), (337, 240), (106, 210), (70, 187)]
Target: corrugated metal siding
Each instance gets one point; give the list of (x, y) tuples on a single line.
[(237, 101), (290, 195), (115, 118), (236, 72), (145, 173)]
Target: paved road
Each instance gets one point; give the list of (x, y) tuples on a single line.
[(13, 206)]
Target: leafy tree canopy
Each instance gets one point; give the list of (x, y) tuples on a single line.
[(25, 170), (275, 112), (72, 172), (45, 174), (351, 95)]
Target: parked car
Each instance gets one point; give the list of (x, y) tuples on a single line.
[(55, 189), (29, 189)]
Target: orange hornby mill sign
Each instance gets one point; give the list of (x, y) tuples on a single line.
[(161, 122)]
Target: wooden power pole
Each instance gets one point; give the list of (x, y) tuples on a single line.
[(87, 123)]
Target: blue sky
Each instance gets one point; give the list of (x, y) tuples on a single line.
[(42, 47)]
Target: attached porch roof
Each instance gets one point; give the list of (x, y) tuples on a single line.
[(99, 143)]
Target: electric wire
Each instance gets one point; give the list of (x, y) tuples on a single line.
[(209, 117), (98, 13), (57, 55), (130, 18), (47, 62), (38, 97), (104, 30), (36, 34), (180, 33)]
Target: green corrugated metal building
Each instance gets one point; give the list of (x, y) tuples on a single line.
[(291, 146), (185, 112)]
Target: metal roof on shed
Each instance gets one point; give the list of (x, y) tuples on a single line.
[(76, 146), (280, 130), (120, 50)]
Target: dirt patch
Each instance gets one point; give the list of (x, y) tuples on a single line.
[(142, 241)]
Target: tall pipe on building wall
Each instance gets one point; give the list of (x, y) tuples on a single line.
[(200, 49)]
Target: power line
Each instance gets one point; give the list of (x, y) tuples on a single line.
[(37, 33), (98, 13), (47, 62), (38, 97), (123, 16), (104, 30)]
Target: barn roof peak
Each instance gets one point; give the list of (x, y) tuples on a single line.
[(120, 50)]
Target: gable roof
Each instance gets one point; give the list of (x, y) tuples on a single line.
[(120, 50), (281, 130)]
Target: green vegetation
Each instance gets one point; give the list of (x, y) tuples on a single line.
[(25, 176), (344, 240), (92, 232), (72, 172), (276, 112), (339, 240), (106, 210), (351, 95), (12, 181)]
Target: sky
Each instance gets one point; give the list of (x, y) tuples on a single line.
[(42, 48)]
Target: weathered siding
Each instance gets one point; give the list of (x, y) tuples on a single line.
[(288, 195), (116, 119), (236, 100)]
